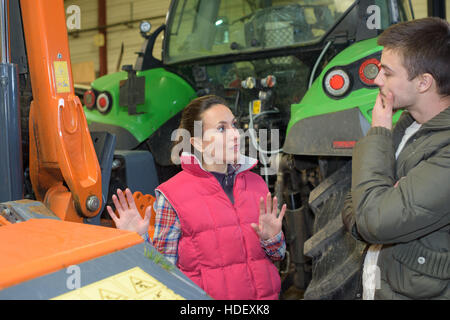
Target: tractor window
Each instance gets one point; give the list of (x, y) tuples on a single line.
[(200, 28)]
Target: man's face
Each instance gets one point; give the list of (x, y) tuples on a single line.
[(393, 77)]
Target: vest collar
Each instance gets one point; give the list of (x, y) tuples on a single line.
[(190, 163)]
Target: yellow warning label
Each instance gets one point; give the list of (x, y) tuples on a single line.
[(133, 284), (61, 76), (256, 106)]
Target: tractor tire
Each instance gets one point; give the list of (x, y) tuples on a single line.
[(337, 257)]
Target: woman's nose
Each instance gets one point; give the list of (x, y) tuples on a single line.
[(236, 134)]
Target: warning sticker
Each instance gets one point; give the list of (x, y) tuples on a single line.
[(61, 76), (133, 284), (257, 106)]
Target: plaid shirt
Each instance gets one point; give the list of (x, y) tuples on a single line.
[(168, 232)]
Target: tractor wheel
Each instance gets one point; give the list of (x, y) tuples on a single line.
[(337, 257)]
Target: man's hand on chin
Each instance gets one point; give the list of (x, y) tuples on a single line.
[(382, 111)]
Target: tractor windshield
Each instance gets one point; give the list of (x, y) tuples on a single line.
[(200, 28)]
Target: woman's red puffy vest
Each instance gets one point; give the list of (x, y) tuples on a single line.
[(218, 248)]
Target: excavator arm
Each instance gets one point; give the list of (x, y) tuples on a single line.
[(64, 169)]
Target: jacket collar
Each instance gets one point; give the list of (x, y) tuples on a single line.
[(440, 121), (191, 163)]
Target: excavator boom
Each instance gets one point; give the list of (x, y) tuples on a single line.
[(64, 168)]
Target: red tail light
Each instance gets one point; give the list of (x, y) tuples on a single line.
[(89, 99), (368, 71), (104, 102), (337, 83)]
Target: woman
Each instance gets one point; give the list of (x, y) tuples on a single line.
[(211, 218)]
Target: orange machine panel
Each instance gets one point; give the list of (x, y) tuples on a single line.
[(40, 246), (142, 202)]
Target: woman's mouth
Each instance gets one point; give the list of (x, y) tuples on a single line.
[(235, 148)]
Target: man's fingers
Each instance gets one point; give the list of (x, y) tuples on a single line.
[(388, 102), (382, 110), (112, 214), (379, 101)]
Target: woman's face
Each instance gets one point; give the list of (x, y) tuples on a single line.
[(221, 139)]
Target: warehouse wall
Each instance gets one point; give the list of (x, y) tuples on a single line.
[(421, 9), (83, 48), (123, 10)]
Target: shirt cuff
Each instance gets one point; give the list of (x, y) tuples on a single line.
[(271, 241)]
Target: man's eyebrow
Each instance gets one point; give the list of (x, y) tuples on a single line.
[(386, 67)]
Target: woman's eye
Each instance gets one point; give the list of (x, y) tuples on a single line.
[(221, 129)]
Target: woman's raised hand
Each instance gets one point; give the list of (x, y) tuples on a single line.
[(129, 216), (269, 223)]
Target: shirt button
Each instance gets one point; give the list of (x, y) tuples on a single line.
[(421, 260)]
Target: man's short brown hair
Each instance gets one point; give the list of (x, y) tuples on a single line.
[(424, 45)]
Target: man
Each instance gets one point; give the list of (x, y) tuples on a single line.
[(401, 178)]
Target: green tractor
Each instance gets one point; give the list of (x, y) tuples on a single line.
[(298, 76)]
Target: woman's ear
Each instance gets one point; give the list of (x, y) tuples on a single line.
[(425, 82), (197, 143)]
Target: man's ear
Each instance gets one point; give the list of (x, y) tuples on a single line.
[(425, 82), (197, 143)]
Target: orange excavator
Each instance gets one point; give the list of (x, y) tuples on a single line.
[(43, 240)]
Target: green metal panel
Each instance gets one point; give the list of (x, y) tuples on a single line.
[(165, 95), (316, 102)]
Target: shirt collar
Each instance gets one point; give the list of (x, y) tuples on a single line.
[(191, 163)]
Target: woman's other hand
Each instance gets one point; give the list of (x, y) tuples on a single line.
[(269, 223)]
